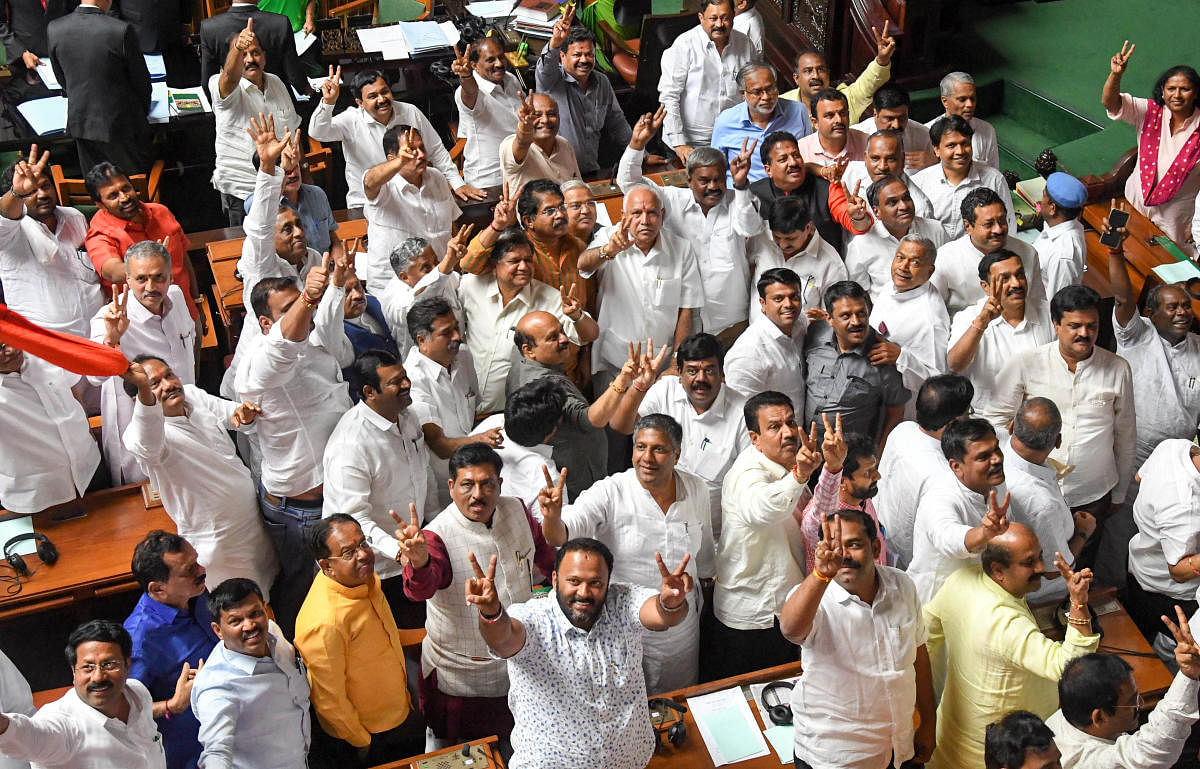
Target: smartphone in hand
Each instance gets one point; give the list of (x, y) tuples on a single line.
[(1116, 220)]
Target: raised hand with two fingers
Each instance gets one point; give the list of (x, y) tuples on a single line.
[(413, 548), (481, 589), (675, 584)]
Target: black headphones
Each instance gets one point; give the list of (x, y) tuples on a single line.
[(781, 712), (45, 550), (674, 729)]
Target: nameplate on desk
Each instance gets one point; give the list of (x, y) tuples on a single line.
[(675, 178), (150, 496), (477, 759), (603, 188)]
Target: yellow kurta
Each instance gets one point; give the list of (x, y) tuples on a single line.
[(859, 93), (998, 662)]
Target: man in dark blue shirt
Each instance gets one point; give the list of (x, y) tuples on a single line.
[(172, 633)]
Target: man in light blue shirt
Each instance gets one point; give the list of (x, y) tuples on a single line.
[(251, 697), (761, 113)]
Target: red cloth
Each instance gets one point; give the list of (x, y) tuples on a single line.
[(74, 353), (839, 209), (1156, 193), (109, 238)]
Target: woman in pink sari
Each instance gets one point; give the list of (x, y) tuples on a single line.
[(1166, 181)]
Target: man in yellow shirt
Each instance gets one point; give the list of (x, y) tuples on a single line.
[(1002, 662), (812, 75), (349, 641)]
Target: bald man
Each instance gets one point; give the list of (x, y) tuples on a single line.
[(536, 151)]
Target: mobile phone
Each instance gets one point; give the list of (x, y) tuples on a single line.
[(1116, 219)]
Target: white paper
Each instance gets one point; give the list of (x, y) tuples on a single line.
[(394, 50), (373, 38), (196, 91), (160, 111), (733, 712), (490, 9), (304, 41), (22, 525), (46, 73), (450, 31), (155, 66), (756, 691)]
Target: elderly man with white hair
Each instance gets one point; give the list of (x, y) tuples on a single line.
[(418, 275), (584, 216), (959, 97)]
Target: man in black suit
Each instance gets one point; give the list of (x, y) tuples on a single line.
[(97, 59), (23, 30), (274, 33), (159, 28)]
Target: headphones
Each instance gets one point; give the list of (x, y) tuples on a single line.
[(45, 550), (780, 713), (675, 730)]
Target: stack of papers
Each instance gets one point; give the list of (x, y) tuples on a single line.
[(490, 9), (160, 103), (401, 41), (532, 27), (45, 116), (728, 727), (423, 36), (156, 66), (46, 73), (188, 101)]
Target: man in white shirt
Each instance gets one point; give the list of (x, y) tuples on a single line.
[(242, 90), (376, 464), (869, 255), (833, 141), (488, 97), (986, 225), (47, 277), (947, 182), (748, 21), (891, 104), (959, 99), (360, 129), (535, 150), (985, 336), (761, 552), (770, 354), (715, 219), (1060, 246), (856, 710), (913, 457), (15, 697), (105, 721), (48, 454), (650, 510), (794, 244), (419, 275), (699, 76), (710, 413), (526, 452), (962, 510), (404, 198), (1093, 388), (883, 157)]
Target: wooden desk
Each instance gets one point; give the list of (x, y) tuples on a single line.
[(94, 552), (486, 746)]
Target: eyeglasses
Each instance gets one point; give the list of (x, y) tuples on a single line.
[(108, 666), (349, 553), (758, 93), (581, 206), (1138, 702), (551, 210)]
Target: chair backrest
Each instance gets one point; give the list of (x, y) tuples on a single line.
[(73, 192), (214, 7), (391, 11), (658, 33)]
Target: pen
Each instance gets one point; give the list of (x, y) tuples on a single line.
[(704, 443)]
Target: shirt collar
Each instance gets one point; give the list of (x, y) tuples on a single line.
[(351, 593), (373, 417), (1041, 472), (1060, 229), (138, 312), (244, 663), (913, 293)]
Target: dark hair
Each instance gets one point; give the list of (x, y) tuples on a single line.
[(890, 97), (100, 175), (960, 432), (943, 398), (700, 346), (1090, 682), (477, 41), (853, 514), (1074, 298), (527, 201), (1043, 439), (826, 94), (261, 294), (949, 124), (587, 544), (131, 389), (513, 237), (809, 52), (995, 554), (365, 369), (1006, 741), (1153, 296), (1178, 69), (877, 187), (663, 424), (999, 255), (533, 410), (391, 138), (980, 197), (363, 78), (579, 34), (858, 448), (318, 534), (789, 214), (231, 593), (421, 315), (148, 564), (783, 275), (770, 140), (472, 454), (102, 631), (761, 401), (845, 289)]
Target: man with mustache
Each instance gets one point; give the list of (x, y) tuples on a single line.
[(959, 100), (869, 255), (464, 691), (891, 103), (351, 647), (376, 463), (652, 509), (171, 633), (812, 75), (488, 97), (360, 129), (1001, 661), (1002, 324), (155, 323), (1093, 388), (105, 720), (833, 140), (309, 201), (770, 354), (698, 76), (946, 183), (535, 150), (251, 697), (179, 435), (883, 158), (760, 113), (858, 714), (242, 90), (986, 225), (419, 275), (555, 648), (716, 220), (582, 213), (714, 429), (851, 370)]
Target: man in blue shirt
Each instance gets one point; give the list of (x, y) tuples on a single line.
[(172, 633), (762, 112), (309, 201)]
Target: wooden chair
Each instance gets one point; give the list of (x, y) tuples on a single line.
[(624, 53), (385, 11), (73, 192), (214, 7), (316, 161)]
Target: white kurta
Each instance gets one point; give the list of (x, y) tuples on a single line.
[(818, 265), (917, 321)]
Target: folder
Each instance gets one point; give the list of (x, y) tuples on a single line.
[(46, 116)]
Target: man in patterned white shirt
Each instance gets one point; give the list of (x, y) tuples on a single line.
[(575, 663)]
